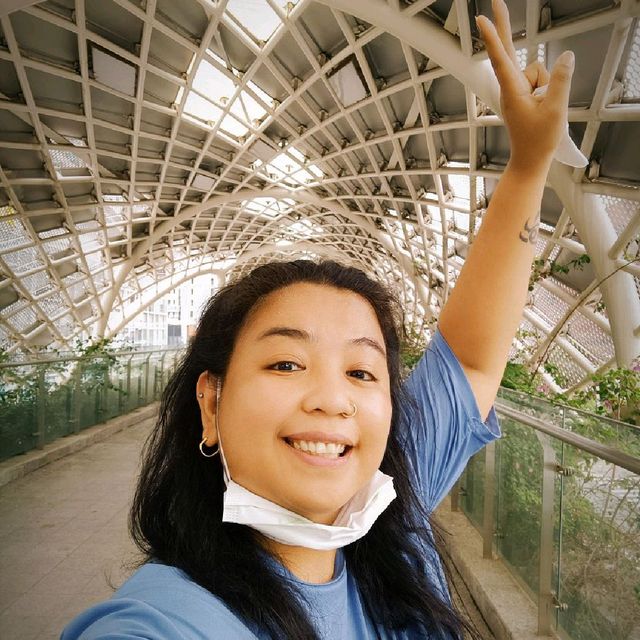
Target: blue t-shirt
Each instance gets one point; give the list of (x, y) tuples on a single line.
[(160, 602)]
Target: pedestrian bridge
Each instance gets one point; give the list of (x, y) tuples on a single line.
[(148, 144), (542, 529)]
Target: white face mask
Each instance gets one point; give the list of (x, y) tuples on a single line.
[(277, 523)]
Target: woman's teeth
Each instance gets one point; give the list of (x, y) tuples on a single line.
[(324, 449)]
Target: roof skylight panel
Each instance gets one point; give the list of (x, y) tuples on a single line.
[(23, 260), (312, 168), (203, 182), (298, 155), (65, 325), (12, 234), (7, 210), (77, 289), (231, 122), (284, 164), (254, 106), (620, 210), (631, 78), (255, 16), (292, 168), (460, 221), (115, 214), (348, 84), (460, 186), (213, 83), (113, 72), (213, 89), (434, 212), (141, 211), (480, 192), (56, 247), (66, 159), (37, 283), (199, 107), (11, 308), (268, 206), (52, 305), (305, 229), (24, 321), (309, 170), (4, 339), (115, 233), (303, 177)]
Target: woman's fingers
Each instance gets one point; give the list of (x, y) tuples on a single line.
[(503, 27), (537, 75), (509, 76), (560, 82)]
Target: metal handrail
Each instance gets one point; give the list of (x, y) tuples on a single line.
[(587, 414), (610, 454), (74, 358), (547, 602)]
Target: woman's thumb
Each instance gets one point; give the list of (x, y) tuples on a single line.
[(560, 81)]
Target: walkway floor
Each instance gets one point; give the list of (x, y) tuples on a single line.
[(63, 538)]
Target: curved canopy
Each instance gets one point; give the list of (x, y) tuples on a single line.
[(143, 142)]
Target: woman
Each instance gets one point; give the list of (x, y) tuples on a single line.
[(287, 487)]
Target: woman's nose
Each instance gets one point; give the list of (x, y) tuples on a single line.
[(329, 395)]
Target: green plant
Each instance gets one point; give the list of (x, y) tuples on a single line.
[(614, 393), (542, 269), (413, 346), (517, 377), (57, 388)]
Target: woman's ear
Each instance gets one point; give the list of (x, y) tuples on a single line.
[(206, 395)]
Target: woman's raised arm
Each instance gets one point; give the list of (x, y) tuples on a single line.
[(483, 311)]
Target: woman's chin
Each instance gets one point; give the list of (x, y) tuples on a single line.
[(320, 513)]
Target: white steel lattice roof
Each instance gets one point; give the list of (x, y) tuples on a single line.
[(143, 142)]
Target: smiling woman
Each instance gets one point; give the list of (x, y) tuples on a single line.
[(292, 474), (287, 488)]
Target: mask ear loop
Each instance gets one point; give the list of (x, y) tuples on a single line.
[(227, 475)]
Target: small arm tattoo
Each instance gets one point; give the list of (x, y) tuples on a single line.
[(530, 233)]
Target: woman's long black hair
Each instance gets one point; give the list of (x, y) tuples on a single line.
[(176, 517)]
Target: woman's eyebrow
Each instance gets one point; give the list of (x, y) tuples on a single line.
[(301, 334)]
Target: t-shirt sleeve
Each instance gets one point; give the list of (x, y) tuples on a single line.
[(131, 619), (443, 428), (121, 619)]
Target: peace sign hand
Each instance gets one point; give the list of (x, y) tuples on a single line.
[(536, 123)]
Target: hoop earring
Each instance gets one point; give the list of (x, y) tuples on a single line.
[(204, 440), (209, 455), (344, 414)]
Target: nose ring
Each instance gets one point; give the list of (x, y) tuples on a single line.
[(344, 414)]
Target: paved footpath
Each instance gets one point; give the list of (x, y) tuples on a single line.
[(63, 536), (64, 543)]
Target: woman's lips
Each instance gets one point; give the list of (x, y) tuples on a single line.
[(319, 460), (320, 436)]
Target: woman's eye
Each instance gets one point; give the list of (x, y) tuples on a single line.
[(360, 374), (285, 366)]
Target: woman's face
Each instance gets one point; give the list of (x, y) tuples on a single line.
[(307, 355)]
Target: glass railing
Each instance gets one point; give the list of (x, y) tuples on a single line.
[(42, 400), (557, 499)]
